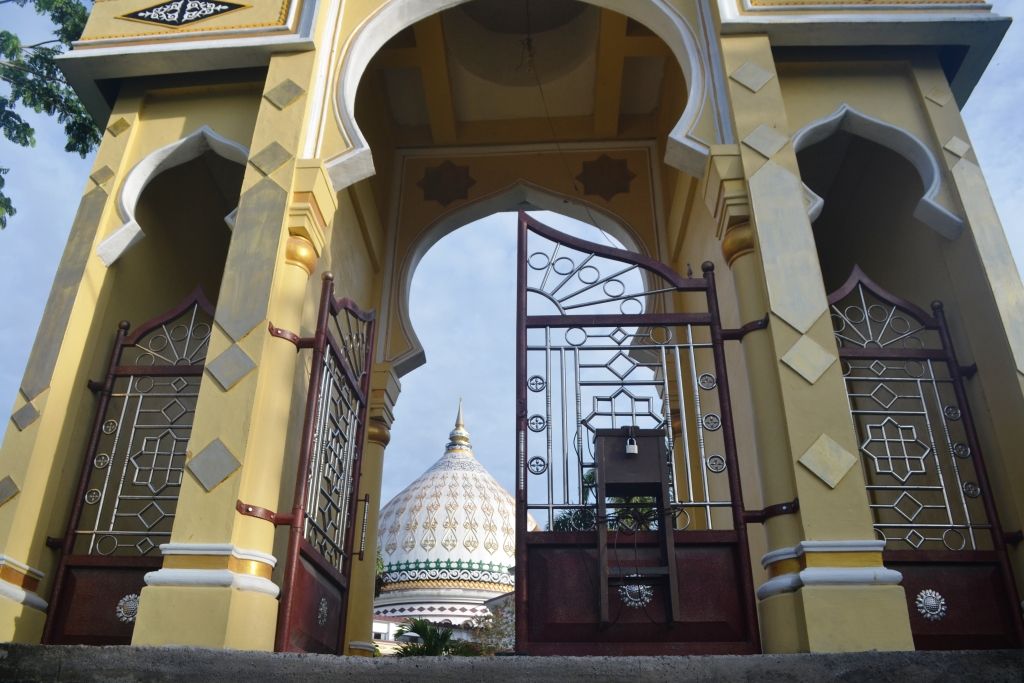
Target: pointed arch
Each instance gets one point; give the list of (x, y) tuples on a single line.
[(929, 211), (192, 146), (520, 196), (684, 150)]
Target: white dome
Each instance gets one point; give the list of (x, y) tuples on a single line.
[(448, 539)]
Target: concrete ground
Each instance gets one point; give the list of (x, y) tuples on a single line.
[(52, 663)]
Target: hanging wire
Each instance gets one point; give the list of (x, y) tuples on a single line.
[(528, 58)]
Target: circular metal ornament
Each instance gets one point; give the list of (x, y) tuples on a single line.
[(971, 490), (92, 496), (110, 426), (716, 464), (635, 595), (101, 461), (707, 381), (961, 450), (953, 539), (538, 260), (563, 265), (321, 612), (712, 422), (930, 605), (536, 383), (536, 423), (537, 465), (951, 412), (127, 608)]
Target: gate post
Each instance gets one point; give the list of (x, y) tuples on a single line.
[(828, 589), (384, 390), (214, 588)]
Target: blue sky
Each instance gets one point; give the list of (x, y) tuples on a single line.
[(46, 183)]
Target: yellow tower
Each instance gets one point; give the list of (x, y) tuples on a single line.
[(208, 472)]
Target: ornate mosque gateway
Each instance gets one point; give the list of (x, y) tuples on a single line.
[(728, 442)]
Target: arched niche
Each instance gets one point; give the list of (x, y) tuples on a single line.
[(521, 196), (684, 149), (929, 211), (175, 154)]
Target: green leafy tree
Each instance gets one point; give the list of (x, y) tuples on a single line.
[(34, 82), (434, 641)]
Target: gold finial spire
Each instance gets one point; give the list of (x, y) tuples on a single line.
[(459, 438)]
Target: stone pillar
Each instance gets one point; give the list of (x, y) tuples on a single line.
[(214, 588), (40, 455), (828, 589), (384, 390)]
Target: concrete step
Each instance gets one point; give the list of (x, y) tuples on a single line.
[(123, 664)]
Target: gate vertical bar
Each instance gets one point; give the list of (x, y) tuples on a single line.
[(998, 540), (521, 595), (729, 437), (297, 520)]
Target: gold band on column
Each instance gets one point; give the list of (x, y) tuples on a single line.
[(300, 252), (378, 432), (738, 240)]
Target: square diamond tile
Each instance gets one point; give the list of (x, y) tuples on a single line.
[(940, 95), (808, 359), (957, 146), (230, 367), (270, 158), (24, 416), (119, 126), (284, 93), (102, 175), (828, 460), (213, 464), (765, 140), (8, 489), (751, 76)]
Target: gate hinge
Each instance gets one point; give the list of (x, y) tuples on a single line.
[(95, 387), (300, 342), (969, 371), (761, 516), (739, 333), (54, 543), (266, 515), (1013, 537)]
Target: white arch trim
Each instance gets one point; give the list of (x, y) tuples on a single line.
[(901, 141), (519, 196), (174, 154), (684, 150)]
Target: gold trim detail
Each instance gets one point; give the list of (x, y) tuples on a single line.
[(16, 577), (738, 241), (300, 252), (445, 583), (792, 565), (378, 432), (229, 562)]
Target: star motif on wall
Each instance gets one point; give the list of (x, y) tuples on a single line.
[(606, 177), (176, 13), (445, 183)]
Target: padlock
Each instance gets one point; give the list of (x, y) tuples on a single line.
[(631, 447)]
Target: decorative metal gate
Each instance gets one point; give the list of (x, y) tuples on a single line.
[(318, 566), (128, 489), (925, 476), (599, 349)]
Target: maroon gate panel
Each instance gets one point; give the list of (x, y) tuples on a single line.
[(602, 359), (926, 479), (314, 598), (128, 488)]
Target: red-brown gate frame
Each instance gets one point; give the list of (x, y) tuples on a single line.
[(95, 594), (306, 623), (565, 552), (957, 598)]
